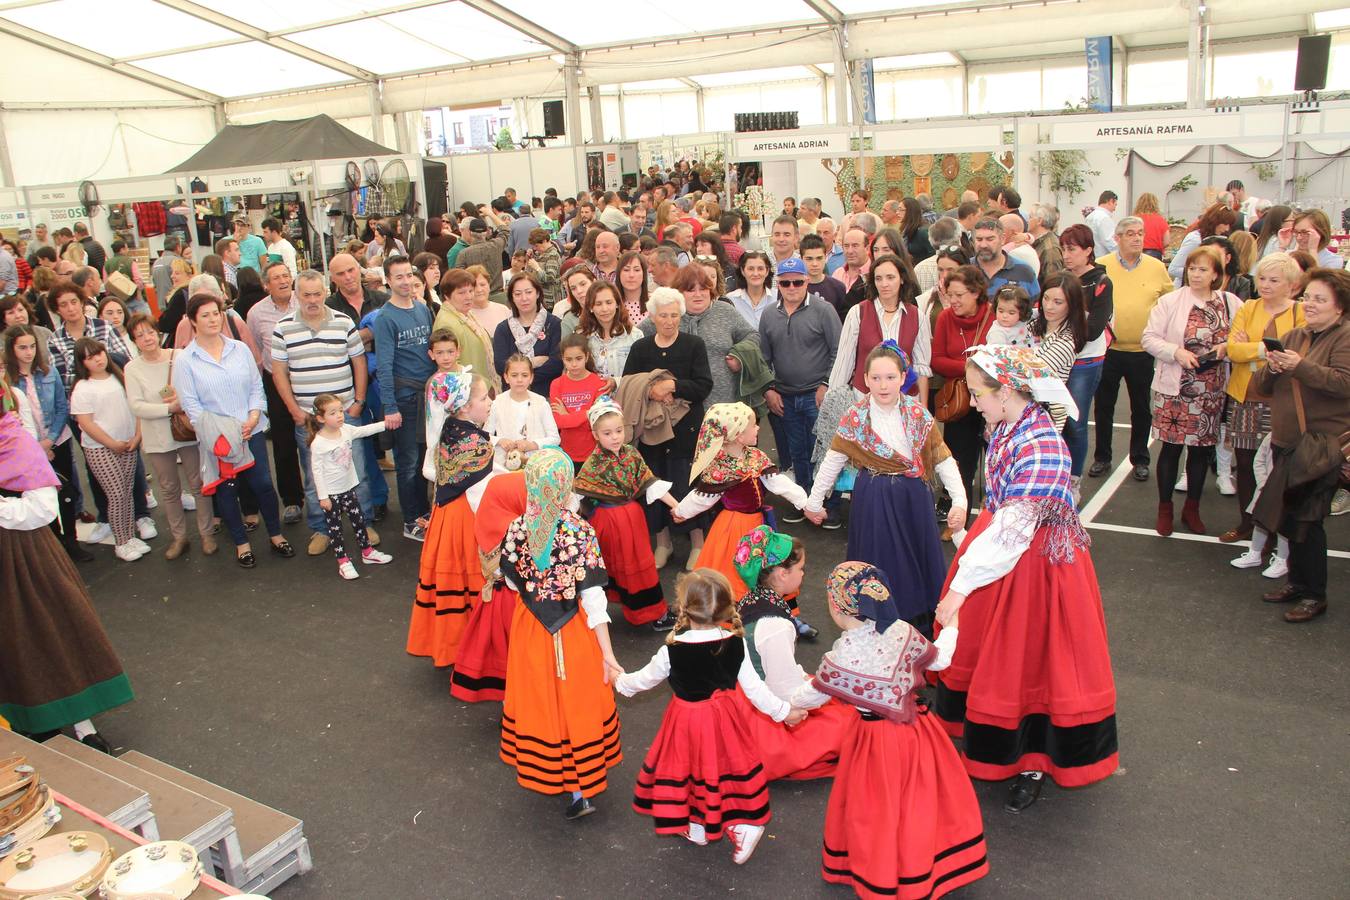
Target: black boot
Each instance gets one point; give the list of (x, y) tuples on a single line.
[(1024, 792), (578, 808)]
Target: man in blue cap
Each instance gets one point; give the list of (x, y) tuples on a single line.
[(799, 336)]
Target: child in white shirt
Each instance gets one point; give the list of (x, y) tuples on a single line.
[(1012, 318), (335, 479), (521, 421)]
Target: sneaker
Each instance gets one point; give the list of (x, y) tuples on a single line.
[(150, 501), (145, 527), (98, 534), (832, 522), (578, 808), (805, 629), (744, 840), (140, 545), (127, 552), (1340, 502), (665, 623), (291, 514), (379, 513), (373, 557), (1226, 485), (1182, 486), (1249, 560), (792, 518), (414, 532), (347, 570), (695, 834), (318, 544), (1278, 568), (189, 502)]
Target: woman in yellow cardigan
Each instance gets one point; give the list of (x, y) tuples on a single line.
[(1272, 314)]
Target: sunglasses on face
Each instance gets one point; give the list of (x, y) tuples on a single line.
[(791, 282)]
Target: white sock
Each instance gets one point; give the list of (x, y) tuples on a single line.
[(696, 832), (84, 728), (1259, 538), (1282, 548), (1036, 775)]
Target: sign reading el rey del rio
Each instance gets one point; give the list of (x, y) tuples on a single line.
[(793, 143)]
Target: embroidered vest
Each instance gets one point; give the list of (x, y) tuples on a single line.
[(869, 336)]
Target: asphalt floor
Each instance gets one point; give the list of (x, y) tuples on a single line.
[(291, 686)]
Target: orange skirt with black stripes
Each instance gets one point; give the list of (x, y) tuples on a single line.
[(449, 581), (561, 734)]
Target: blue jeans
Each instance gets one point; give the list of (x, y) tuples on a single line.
[(408, 449), (799, 429), (258, 477), (1083, 381), (313, 513), (371, 473)]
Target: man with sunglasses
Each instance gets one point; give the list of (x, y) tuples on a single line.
[(799, 336)]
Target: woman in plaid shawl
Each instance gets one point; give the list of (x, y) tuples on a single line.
[(1030, 686)]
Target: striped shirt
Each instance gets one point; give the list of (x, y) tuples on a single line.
[(231, 387), (319, 361)]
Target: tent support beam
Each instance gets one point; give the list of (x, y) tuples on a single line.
[(826, 10), (572, 85), (6, 165), (597, 114), (243, 29), (522, 24), (841, 78), (376, 114)]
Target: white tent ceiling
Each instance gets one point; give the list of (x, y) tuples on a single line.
[(248, 50)]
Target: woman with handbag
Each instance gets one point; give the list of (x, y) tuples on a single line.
[(1309, 385), (962, 325), (166, 435), (1187, 333)]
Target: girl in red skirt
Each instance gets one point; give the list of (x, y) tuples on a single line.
[(702, 775), (1030, 687), (449, 576), (773, 565), (609, 482), (560, 729), (480, 667), (902, 821), (729, 469)]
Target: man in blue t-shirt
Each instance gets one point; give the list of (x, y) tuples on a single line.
[(401, 336), (251, 247), (999, 267)]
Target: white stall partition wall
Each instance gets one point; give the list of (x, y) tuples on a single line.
[(479, 177)]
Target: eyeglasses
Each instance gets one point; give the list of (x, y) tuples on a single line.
[(791, 282)]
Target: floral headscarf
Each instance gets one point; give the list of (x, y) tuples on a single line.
[(862, 591), (548, 488), (1022, 370), (723, 422), (602, 406), (450, 390), (761, 549)]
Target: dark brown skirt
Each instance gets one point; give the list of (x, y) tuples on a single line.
[(57, 666), (1248, 422)]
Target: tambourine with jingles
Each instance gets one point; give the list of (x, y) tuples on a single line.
[(163, 870), (18, 791), (62, 865), (41, 820)]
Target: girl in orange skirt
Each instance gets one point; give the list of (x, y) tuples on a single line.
[(773, 565), (702, 775), (902, 821), (480, 668), (560, 728), (729, 468), (449, 575), (609, 482)]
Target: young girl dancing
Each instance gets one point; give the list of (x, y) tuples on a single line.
[(611, 479), (702, 775), (1030, 687), (520, 422), (560, 728), (773, 564), (902, 821), (890, 437), (335, 479), (449, 575), (729, 468)]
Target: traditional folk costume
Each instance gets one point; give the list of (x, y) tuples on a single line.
[(480, 667), (1030, 687), (449, 576), (738, 483), (703, 773), (609, 484), (902, 820), (809, 749), (891, 524), (57, 667), (560, 728)]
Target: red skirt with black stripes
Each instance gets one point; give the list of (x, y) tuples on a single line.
[(449, 579), (902, 821), (480, 669), (626, 545), (703, 767)]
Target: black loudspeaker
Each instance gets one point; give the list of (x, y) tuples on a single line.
[(553, 118), (1313, 53)]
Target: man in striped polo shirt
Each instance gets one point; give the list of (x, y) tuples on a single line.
[(316, 350)]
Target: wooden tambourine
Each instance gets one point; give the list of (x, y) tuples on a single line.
[(18, 792), (163, 870), (41, 820), (63, 865)]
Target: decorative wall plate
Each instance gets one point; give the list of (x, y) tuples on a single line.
[(951, 166), (980, 185), (950, 198), (978, 161), (923, 185), (922, 163), (895, 168)]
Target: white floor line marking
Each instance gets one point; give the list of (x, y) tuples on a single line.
[(1199, 538), (1105, 492)]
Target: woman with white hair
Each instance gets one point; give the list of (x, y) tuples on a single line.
[(678, 382)]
